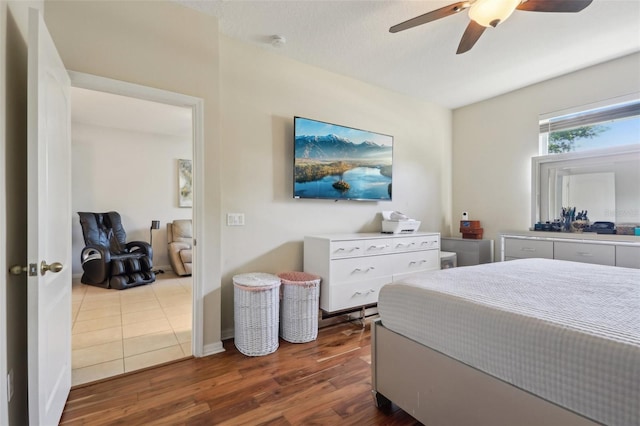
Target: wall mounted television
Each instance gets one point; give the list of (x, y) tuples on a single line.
[(337, 162)]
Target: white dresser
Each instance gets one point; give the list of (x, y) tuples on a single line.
[(354, 267), (614, 250)]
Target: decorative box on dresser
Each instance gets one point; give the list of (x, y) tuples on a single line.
[(603, 249), (354, 267)]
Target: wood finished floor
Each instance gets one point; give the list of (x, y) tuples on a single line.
[(324, 382)]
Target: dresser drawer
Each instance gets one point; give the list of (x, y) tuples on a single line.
[(402, 244), (586, 253), (359, 269), (353, 294), (349, 248), (378, 246), (431, 242), (407, 263), (521, 249), (628, 257)]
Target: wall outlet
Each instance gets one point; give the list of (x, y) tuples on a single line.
[(235, 219), (10, 385), (465, 215)]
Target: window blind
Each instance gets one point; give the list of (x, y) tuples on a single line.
[(586, 118)]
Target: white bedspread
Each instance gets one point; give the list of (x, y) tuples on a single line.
[(568, 332)]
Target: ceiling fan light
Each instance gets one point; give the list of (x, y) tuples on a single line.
[(489, 13)]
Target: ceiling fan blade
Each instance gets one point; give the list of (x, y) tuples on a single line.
[(470, 36), (443, 12), (554, 5)]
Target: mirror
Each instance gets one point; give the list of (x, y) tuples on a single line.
[(578, 189), (605, 183)]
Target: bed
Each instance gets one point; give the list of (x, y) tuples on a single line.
[(524, 342)]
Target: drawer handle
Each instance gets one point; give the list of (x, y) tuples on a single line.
[(413, 262), (359, 293), (404, 245), (381, 247), (364, 270), (428, 243), (585, 254), (350, 250), (530, 249)]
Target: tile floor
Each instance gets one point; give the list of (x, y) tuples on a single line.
[(118, 331)]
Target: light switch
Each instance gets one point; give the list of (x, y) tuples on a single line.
[(235, 219)]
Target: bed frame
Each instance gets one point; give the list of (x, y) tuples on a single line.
[(438, 390)]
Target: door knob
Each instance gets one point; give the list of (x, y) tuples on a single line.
[(17, 269), (31, 270), (54, 267)]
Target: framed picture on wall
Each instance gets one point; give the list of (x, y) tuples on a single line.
[(185, 184)]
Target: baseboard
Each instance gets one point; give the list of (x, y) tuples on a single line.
[(165, 268), (227, 334), (212, 348)]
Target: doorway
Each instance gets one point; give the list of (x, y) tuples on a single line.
[(126, 144)]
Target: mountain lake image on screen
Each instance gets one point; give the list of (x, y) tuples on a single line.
[(341, 163)]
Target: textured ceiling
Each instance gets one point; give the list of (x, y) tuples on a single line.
[(352, 38)]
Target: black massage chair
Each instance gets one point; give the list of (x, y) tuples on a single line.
[(108, 260)]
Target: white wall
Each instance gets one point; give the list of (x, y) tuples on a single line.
[(494, 140), (261, 92), (131, 172)]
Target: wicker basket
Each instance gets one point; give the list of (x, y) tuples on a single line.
[(299, 306), (256, 313)]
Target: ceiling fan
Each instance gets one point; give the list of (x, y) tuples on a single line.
[(489, 13)]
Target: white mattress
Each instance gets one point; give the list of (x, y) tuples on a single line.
[(565, 331)]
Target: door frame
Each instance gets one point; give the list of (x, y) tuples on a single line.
[(118, 87)]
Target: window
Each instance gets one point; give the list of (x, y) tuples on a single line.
[(613, 124), (589, 159)]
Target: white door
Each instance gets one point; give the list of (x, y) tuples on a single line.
[(49, 227)]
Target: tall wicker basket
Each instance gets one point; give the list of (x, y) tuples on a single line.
[(256, 313), (299, 306)]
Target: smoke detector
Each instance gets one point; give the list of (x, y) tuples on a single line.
[(278, 41)]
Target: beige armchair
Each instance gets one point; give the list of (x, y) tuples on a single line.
[(180, 236)]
